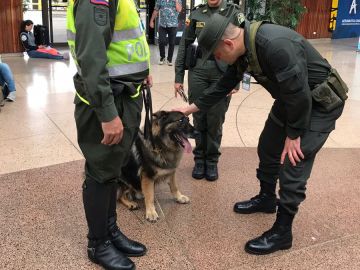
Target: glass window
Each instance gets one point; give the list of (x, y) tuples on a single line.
[(58, 11)]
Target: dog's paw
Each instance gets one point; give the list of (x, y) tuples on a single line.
[(151, 215), (139, 195), (133, 206), (182, 199)]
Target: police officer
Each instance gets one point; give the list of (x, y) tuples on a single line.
[(112, 57), (309, 96), (202, 77)]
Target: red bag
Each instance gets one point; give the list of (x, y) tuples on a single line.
[(49, 51)]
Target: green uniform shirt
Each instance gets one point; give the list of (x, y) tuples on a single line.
[(195, 23), (293, 67), (94, 27)]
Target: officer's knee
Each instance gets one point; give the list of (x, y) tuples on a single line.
[(91, 183)]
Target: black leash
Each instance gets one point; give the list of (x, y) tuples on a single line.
[(146, 94)]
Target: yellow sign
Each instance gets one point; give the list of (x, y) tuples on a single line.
[(333, 14)]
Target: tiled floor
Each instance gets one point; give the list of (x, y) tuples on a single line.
[(41, 214)]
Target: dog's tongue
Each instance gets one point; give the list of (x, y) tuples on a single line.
[(187, 145)]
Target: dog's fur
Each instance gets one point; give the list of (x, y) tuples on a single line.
[(153, 161)]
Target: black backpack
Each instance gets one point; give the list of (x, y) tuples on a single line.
[(41, 34)]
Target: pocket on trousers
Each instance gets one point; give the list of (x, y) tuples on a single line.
[(338, 85), (324, 96), (80, 90), (191, 56), (129, 110)]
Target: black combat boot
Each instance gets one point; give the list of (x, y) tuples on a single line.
[(96, 198), (211, 172), (107, 255), (118, 239), (265, 202), (127, 246), (199, 170), (279, 237)]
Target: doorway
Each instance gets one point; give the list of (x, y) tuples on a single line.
[(52, 14), (57, 21)]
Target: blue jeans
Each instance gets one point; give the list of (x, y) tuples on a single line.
[(6, 78), (36, 54)]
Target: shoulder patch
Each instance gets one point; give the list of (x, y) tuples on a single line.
[(100, 16), (240, 19), (23, 37), (100, 2)]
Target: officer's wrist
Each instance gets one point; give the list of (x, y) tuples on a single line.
[(107, 113), (191, 109), (294, 133)]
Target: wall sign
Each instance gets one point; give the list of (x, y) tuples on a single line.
[(348, 19)]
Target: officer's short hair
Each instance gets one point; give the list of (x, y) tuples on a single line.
[(231, 32)]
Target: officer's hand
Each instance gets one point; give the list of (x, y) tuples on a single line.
[(113, 131), (152, 24), (187, 110), (293, 150), (178, 87), (149, 81), (234, 91)]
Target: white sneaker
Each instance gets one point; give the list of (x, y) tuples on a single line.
[(11, 96), (162, 61), (168, 62), (66, 56)]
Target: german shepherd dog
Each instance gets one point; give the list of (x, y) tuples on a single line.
[(155, 160)]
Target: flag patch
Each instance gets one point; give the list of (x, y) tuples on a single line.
[(100, 2)]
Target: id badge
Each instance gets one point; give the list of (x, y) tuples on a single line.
[(246, 81)]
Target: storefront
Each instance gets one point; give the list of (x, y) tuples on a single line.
[(52, 13)]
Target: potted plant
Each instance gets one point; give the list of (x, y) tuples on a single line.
[(283, 12)]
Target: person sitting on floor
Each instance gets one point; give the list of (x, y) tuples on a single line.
[(37, 51), (7, 82)]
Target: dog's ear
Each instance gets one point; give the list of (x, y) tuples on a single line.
[(159, 114)]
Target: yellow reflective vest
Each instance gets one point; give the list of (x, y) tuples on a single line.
[(128, 52)]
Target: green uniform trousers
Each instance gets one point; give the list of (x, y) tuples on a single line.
[(103, 162), (202, 78), (292, 179)]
